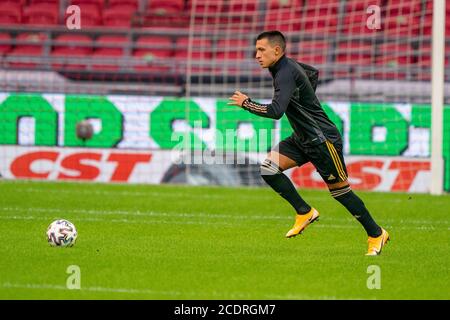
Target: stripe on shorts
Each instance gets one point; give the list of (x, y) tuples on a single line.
[(337, 161)]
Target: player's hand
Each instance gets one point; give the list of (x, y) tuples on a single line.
[(237, 99)]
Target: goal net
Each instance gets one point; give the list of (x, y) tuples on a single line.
[(374, 62)]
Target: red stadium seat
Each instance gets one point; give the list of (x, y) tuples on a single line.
[(100, 4), (277, 4), (392, 59), (158, 47), (231, 52), (395, 53), (242, 14), (424, 62), (447, 55), (166, 14), (33, 49), (33, 41), (361, 5), (77, 43), (71, 46), (321, 23), (22, 3), (201, 48), (401, 26), (90, 16), (10, 13), (43, 1), (404, 7), (207, 12), (175, 20), (284, 20), (201, 54), (229, 49), (208, 5), (321, 4), (354, 53), (428, 22), (5, 47), (320, 16), (130, 3), (170, 5), (247, 7), (427, 25), (119, 16), (109, 40), (355, 23), (312, 52), (424, 57), (41, 14), (402, 18), (109, 46), (352, 58)]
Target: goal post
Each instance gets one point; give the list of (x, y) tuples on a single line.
[(437, 97)]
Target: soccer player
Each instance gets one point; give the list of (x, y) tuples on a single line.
[(315, 139)]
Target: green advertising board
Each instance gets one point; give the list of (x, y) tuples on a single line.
[(381, 129)]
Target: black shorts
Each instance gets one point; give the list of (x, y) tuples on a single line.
[(326, 157)]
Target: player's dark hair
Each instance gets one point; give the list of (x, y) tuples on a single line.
[(274, 37)]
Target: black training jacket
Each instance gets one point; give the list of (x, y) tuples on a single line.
[(294, 84)]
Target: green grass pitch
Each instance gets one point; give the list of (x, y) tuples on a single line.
[(179, 242)]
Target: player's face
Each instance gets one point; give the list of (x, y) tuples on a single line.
[(266, 54)]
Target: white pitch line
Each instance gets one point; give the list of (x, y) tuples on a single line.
[(205, 215), (127, 221), (229, 295), (144, 213), (173, 194), (217, 223), (124, 220), (119, 290), (92, 289)]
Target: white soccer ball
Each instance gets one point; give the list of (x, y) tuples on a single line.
[(61, 233)]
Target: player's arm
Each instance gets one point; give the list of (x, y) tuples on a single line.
[(284, 88)]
